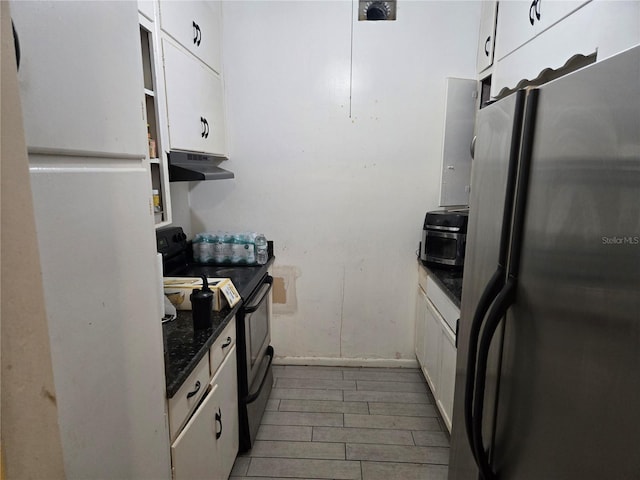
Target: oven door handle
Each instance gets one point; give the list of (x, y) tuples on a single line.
[(252, 396), (264, 291)]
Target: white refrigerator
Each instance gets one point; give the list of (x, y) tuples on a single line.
[(81, 88)]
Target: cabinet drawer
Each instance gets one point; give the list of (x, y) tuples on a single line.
[(445, 307), (185, 400), (222, 346), (196, 26)]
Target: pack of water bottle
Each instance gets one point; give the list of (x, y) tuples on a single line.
[(246, 248)]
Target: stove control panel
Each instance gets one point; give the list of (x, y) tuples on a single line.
[(171, 241)]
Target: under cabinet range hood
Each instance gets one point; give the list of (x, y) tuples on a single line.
[(187, 166)]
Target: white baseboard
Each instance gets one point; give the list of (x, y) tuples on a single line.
[(347, 362)]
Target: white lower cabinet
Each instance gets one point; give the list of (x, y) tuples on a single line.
[(207, 446), (435, 343)]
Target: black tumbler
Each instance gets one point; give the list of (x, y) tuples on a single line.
[(202, 306)]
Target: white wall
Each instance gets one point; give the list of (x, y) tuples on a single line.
[(340, 186)]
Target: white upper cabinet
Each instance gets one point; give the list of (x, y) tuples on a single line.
[(520, 21), (70, 72), (196, 26), (564, 31), (195, 107), (486, 38)]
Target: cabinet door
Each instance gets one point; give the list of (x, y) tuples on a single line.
[(80, 78), (601, 28), (552, 12), (432, 341), (459, 121), (195, 454), (196, 26), (487, 35), (447, 374), (520, 21), (226, 382), (421, 312), (195, 108), (514, 26)]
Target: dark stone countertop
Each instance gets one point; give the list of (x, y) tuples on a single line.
[(449, 280), (184, 347)]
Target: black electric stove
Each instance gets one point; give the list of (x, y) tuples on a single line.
[(254, 352)]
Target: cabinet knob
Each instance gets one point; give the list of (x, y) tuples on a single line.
[(205, 127), (227, 343), (205, 132), (486, 46), (534, 11), (16, 44), (218, 420), (197, 389), (197, 33)]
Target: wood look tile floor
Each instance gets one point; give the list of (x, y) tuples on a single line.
[(348, 423)]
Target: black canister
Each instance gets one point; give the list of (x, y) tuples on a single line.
[(202, 305)]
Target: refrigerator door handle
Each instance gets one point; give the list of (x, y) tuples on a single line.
[(504, 300), (489, 294), (493, 289)]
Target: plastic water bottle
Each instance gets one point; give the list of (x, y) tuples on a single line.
[(262, 255), (206, 248), (219, 250), (197, 241)]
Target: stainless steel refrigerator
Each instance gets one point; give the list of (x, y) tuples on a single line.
[(548, 372)]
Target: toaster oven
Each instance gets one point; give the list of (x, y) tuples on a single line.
[(444, 238)]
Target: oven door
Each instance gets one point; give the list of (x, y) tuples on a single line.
[(257, 319)]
